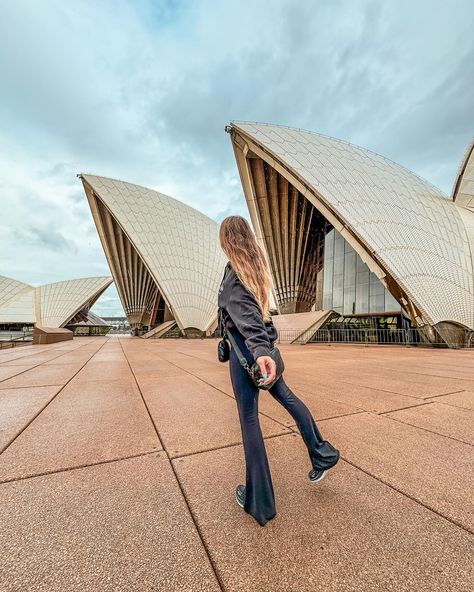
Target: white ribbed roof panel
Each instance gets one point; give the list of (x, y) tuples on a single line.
[(60, 301), (51, 305), (414, 231), (179, 246), (10, 288), (463, 190), (17, 301)]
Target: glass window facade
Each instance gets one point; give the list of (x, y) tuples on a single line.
[(349, 286)]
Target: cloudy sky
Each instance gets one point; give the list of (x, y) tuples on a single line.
[(141, 90)]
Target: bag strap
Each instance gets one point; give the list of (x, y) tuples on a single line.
[(222, 323), (238, 351), (228, 335)]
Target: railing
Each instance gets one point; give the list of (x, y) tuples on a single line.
[(366, 336), (9, 340), (407, 337), (398, 336)]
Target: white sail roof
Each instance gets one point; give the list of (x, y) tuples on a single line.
[(178, 245), (60, 301), (51, 305), (414, 232), (463, 190), (17, 301)]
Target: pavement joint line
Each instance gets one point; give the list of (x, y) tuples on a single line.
[(430, 431), (223, 392), (393, 392), (41, 363), (342, 415), (438, 376), (231, 445), (444, 394), (155, 427), (425, 402), (409, 496), (76, 467), (26, 355), (45, 349), (452, 404), (290, 427), (293, 425), (50, 401), (12, 388), (191, 514)]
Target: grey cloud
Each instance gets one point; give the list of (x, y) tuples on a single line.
[(47, 238), (146, 99)]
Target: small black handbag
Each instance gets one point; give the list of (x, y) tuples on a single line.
[(223, 354), (223, 350)]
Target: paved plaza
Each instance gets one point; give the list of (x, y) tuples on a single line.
[(120, 456)]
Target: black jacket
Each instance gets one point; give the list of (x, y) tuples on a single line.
[(242, 313)]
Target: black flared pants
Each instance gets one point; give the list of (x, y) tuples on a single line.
[(259, 496)]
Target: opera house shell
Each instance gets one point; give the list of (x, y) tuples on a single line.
[(350, 231), (164, 256), (60, 304)]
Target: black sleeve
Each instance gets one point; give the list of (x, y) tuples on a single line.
[(247, 317)]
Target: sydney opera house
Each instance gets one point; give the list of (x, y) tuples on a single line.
[(349, 231), (352, 238), (164, 256), (64, 304)]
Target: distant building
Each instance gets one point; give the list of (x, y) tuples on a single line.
[(118, 324), (64, 304), (351, 232), (164, 256)]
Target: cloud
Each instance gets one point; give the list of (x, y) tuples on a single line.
[(48, 238), (142, 90)]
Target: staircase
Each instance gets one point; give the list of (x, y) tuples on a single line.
[(298, 327), (159, 330)]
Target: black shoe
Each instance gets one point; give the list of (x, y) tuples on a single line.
[(315, 476), (240, 495)]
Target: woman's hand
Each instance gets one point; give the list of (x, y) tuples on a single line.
[(267, 368)]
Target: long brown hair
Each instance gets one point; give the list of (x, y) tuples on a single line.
[(247, 259)]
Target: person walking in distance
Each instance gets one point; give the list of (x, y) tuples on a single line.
[(245, 319)]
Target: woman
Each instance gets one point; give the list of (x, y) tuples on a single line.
[(244, 303)]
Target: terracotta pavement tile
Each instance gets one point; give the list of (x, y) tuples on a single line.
[(439, 372), (42, 376), (464, 399), (359, 397), (9, 371), (443, 419), (19, 406), (218, 377), (155, 367), (466, 381), (34, 360), (109, 356), (121, 526), (88, 422), (349, 532), (435, 470), (104, 371), (75, 357), (267, 405), (415, 385), (16, 352), (462, 370), (192, 416), (190, 363)]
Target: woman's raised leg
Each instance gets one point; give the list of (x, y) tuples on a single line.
[(318, 452)]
